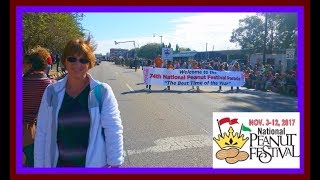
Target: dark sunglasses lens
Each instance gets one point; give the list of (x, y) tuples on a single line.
[(84, 60), (71, 59)]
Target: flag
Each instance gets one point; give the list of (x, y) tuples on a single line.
[(244, 128), (233, 121), (223, 120), (227, 120)]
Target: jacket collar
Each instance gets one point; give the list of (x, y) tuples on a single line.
[(60, 85)]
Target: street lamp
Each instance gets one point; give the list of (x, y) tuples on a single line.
[(154, 34)]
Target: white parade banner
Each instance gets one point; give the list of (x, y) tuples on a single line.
[(192, 77)]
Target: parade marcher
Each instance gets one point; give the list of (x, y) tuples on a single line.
[(136, 63), (158, 62), (221, 68), (169, 66), (149, 64), (35, 80), (79, 123), (235, 67), (195, 65)]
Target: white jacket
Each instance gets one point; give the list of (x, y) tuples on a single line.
[(101, 150)]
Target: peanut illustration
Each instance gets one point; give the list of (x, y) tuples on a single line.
[(227, 153), (232, 160), (242, 155)]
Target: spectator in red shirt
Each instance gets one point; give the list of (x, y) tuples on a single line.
[(49, 65)]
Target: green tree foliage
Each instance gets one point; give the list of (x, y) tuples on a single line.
[(50, 30), (181, 49), (281, 32), (149, 51), (249, 34), (177, 48)]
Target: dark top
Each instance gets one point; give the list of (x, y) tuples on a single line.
[(57, 59), (73, 130)]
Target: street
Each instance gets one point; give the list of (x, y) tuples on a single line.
[(174, 128)]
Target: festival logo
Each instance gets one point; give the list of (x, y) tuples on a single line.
[(256, 140), (231, 143)]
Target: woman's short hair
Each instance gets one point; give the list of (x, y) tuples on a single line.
[(79, 47), (38, 58)]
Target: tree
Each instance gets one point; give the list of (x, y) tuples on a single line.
[(149, 51), (181, 49), (50, 30), (281, 32), (249, 34), (285, 31), (169, 46), (177, 48)]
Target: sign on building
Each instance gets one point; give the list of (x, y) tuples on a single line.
[(167, 54), (290, 53)]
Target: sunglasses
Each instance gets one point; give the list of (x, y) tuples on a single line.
[(81, 60)]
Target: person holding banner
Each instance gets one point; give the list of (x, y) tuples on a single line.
[(221, 68), (149, 64), (169, 66), (195, 65), (235, 67)]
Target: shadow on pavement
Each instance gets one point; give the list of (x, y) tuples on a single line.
[(179, 91), (241, 91), (160, 91)]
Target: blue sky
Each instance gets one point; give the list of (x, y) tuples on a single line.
[(192, 30)]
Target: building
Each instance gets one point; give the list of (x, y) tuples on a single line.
[(184, 56)]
